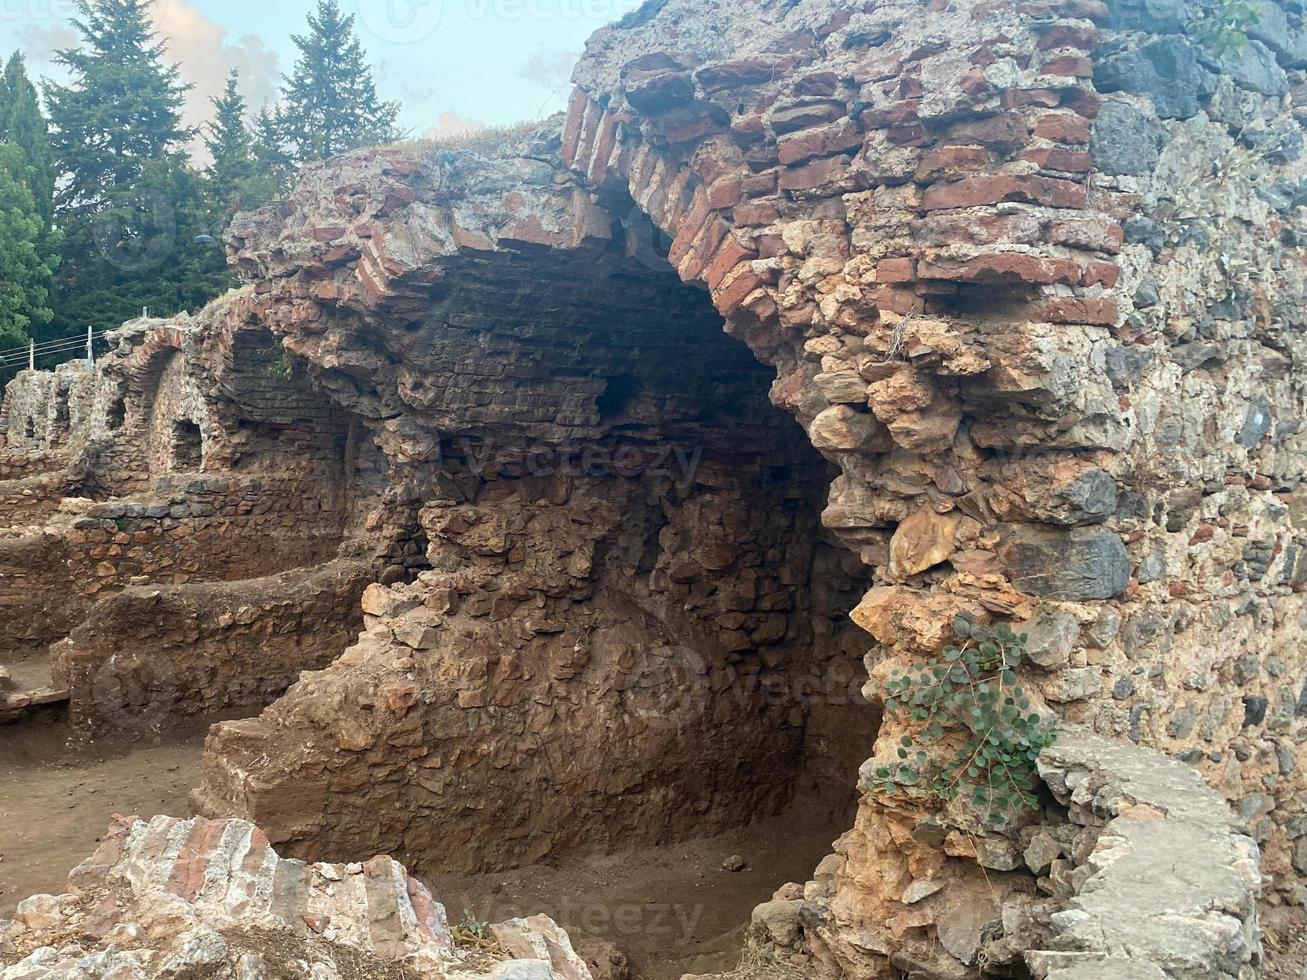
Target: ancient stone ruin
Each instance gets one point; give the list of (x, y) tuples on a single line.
[(593, 485)]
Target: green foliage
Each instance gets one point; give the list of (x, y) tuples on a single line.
[(29, 244), (230, 144), (24, 292), (121, 110), (331, 102), (1223, 29), (128, 203), (969, 703), (23, 124)]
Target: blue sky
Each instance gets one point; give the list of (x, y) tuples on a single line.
[(450, 63)]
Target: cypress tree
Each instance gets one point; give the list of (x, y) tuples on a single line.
[(24, 293)]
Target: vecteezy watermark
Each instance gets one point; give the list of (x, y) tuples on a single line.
[(137, 231), (410, 21), (31, 11), (676, 461), (672, 922)]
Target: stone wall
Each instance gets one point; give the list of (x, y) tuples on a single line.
[(1022, 280), (153, 657)]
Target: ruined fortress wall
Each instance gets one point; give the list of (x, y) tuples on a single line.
[(1028, 275), (153, 657)]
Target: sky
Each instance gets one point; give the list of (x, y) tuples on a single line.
[(453, 65)]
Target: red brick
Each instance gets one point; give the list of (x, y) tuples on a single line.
[(975, 83), (820, 141), (735, 289), (952, 160), (745, 71), (688, 227), (896, 299), (999, 188), (576, 108), (703, 248), (1004, 131), (1077, 309), (813, 175), (725, 192), (1064, 35), (878, 69), (819, 84), (757, 185), (1002, 267), (914, 135), (327, 233), (1069, 66), (1091, 232), (895, 270), (1021, 98), (1063, 127), (756, 213), (895, 114), (729, 255), (791, 118), (1056, 158), (1083, 102), (1103, 274)]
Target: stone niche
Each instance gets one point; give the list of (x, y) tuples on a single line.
[(633, 628)]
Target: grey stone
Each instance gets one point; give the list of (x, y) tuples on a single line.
[(1091, 496), (1153, 16), (1152, 568), (1257, 423), (1166, 70), (1182, 722), (1051, 637), (1252, 66), (1041, 852), (920, 889), (780, 920), (1102, 631), (1079, 564), (1273, 29), (1126, 141), (1246, 668), (1075, 684), (1254, 711), (1123, 688)]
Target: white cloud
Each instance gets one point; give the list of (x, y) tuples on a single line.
[(205, 54), (450, 125), (549, 69)]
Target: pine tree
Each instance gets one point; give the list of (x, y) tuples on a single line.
[(122, 109), (331, 99), (130, 207), (23, 124), (274, 169), (25, 283), (230, 146)]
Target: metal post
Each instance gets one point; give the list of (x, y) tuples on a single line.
[(31, 355), (90, 356)]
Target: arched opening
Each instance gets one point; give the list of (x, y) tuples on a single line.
[(633, 636)]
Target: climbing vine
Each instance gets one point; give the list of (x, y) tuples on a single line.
[(1223, 30), (969, 696)]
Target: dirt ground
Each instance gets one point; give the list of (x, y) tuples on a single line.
[(56, 801), (671, 910), (1285, 933)]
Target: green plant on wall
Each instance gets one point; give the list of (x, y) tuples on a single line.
[(1224, 28), (969, 703)]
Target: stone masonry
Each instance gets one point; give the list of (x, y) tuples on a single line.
[(1012, 297)]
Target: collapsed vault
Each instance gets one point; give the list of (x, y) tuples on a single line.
[(633, 629)]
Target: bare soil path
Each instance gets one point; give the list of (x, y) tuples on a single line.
[(55, 801), (672, 910)]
